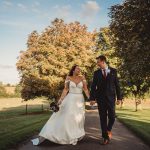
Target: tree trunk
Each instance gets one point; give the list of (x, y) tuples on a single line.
[(121, 105), (138, 104)]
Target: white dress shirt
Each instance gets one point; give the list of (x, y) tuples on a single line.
[(107, 70)]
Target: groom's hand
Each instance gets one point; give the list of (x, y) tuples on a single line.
[(92, 103), (118, 102)]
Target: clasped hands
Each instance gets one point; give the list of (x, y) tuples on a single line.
[(93, 102)]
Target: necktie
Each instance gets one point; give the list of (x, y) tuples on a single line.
[(104, 73)]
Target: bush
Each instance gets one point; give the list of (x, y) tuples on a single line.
[(3, 92)]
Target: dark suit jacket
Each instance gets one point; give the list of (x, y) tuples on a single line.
[(105, 88)]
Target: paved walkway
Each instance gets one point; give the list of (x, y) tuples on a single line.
[(123, 139)]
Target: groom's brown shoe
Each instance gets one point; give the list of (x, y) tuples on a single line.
[(105, 141), (109, 134)]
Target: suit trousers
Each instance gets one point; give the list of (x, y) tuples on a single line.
[(106, 110)]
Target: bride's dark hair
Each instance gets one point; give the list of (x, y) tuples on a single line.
[(72, 70)]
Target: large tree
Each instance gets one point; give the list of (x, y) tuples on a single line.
[(130, 22), (104, 45), (49, 56)]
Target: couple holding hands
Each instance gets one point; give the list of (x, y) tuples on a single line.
[(67, 125)]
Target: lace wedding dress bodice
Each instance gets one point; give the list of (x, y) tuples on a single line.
[(75, 88)]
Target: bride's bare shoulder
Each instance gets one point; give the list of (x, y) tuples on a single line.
[(68, 78), (82, 77)]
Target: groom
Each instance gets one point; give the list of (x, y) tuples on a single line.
[(104, 89)]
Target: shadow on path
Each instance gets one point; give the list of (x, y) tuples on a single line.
[(122, 138)]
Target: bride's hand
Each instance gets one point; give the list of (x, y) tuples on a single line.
[(59, 102)]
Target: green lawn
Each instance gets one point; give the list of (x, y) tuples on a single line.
[(16, 127), (138, 122)]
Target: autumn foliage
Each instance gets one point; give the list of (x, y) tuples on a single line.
[(50, 55)]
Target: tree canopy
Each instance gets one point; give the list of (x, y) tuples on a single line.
[(50, 55), (130, 22), (104, 45)]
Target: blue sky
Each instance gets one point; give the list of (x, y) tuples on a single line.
[(18, 18)]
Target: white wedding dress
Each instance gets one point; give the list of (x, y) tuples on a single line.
[(67, 125)]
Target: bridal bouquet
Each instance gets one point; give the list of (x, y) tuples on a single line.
[(54, 107)]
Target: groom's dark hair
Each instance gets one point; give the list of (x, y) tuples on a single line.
[(102, 58)]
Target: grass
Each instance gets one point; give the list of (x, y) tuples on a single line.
[(16, 127), (138, 122)]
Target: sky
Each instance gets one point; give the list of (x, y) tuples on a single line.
[(18, 18)]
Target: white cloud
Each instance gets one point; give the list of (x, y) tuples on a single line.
[(7, 3), (36, 3), (15, 24), (9, 74), (6, 66), (90, 9), (35, 10), (22, 7), (32, 8), (35, 7), (56, 7), (62, 11), (22, 26)]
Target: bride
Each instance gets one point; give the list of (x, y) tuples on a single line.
[(67, 125)]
